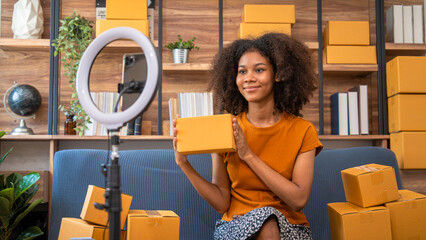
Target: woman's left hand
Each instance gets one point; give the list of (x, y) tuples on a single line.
[(243, 149)]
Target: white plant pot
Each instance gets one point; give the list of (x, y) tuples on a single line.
[(180, 55), (27, 19)]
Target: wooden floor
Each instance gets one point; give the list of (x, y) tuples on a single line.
[(414, 180)]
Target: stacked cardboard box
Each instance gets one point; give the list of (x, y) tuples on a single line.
[(124, 13), (94, 222), (406, 90), (348, 42), (260, 19), (360, 218)]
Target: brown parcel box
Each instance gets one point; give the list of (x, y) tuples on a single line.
[(350, 55), (100, 217), (348, 221), (347, 33), (370, 185), (78, 228), (152, 225), (407, 112), (408, 216), (206, 134), (406, 74), (409, 149), (258, 13)]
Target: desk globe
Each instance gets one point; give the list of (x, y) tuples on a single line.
[(24, 101)]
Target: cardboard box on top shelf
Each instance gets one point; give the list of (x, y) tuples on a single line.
[(351, 222), (370, 185), (78, 228), (205, 134), (409, 149), (406, 74), (258, 13), (350, 55), (127, 9), (347, 33), (407, 112), (253, 30), (140, 25), (153, 225), (408, 216), (100, 217)]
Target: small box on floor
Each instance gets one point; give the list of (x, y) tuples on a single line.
[(408, 216), (78, 228), (205, 134), (100, 217), (370, 185), (153, 225), (351, 222)]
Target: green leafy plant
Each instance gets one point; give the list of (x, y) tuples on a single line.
[(15, 194), (2, 133), (75, 35), (182, 44)]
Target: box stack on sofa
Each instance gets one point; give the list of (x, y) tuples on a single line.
[(406, 90), (124, 13), (260, 19), (348, 42), (375, 208), (94, 222)]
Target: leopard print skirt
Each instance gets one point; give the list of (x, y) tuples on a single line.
[(248, 225)]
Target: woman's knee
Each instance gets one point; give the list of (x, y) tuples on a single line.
[(269, 230)]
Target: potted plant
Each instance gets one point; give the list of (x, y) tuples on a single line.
[(15, 193), (181, 48), (75, 35)]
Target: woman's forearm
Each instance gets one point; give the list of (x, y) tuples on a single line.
[(218, 197)]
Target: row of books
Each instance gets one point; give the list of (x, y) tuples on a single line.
[(405, 24), (105, 101), (349, 111), (192, 104)]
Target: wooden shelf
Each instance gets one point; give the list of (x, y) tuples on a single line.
[(310, 45), (76, 137), (25, 43), (354, 137), (127, 44), (349, 69), (85, 138), (405, 47), (158, 137), (186, 66)]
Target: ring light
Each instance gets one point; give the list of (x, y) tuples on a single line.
[(113, 121)]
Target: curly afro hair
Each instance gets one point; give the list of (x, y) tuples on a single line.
[(292, 67)]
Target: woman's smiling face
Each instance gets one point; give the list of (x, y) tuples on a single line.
[(255, 78)]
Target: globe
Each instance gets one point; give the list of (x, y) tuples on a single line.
[(24, 100)]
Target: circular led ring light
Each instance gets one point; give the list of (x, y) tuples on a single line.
[(114, 121)]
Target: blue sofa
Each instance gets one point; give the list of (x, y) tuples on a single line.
[(157, 183)]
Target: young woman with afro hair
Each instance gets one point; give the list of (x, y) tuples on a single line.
[(262, 187)]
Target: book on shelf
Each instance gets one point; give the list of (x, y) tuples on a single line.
[(130, 127), (353, 113), (105, 102), (339, 114), (100, 9), (424, 18), (407, 20), (418, 23), (138, 125), (362, 91), (394, 24)]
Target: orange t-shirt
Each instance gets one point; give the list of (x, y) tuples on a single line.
[(278, 146)]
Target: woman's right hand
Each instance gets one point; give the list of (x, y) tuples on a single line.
[(180, 158)]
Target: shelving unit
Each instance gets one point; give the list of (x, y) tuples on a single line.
[(193, 76)]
